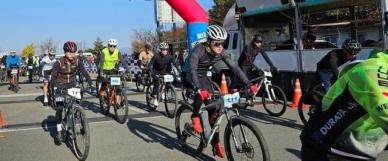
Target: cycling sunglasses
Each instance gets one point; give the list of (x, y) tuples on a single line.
[(218, 43), (112, 46)]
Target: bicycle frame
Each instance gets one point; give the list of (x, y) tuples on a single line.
[(111, 89), (264, 81)]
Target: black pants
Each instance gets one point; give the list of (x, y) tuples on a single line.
[(59, 109)]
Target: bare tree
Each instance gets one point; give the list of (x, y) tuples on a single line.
[(143, 37), (48, 46)]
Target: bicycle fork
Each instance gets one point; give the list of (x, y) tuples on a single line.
[(237, 145), (270, 92)]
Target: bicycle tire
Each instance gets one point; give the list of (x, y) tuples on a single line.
[(121, 108), (104, 105), (150, 105), (184, 132), (139, 86), (16, 86), (170, 111), (80, 117), (247, 148), (280, 96), (301, 106), (97, 87)]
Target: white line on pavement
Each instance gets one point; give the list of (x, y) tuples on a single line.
[(20, 95)]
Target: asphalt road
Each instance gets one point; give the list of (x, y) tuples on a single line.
[(147, 135)]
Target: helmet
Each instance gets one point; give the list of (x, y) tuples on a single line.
[(352, 46), (112, 42), (257, 38), (147, 46), (215, 32), (163, 45), (70, 46)]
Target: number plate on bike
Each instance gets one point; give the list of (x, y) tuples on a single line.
[(115, 81), (14, 71), (30, 67), (231, 99), (74, 92), (59, 99), (268, 74), (168, 78)]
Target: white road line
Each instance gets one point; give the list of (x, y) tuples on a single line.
[(20, 95), (136, 109)]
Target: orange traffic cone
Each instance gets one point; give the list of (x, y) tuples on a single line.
[(224, 86), (297, 94), (2, 121)]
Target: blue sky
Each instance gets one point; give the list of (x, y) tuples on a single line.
[(33, 21)]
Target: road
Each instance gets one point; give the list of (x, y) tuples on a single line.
[(145, 136)]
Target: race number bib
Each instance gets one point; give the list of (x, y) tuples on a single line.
[(267, 74), (115, 81), (30, 67), (209, 73), (231, 99), (74, 92), (14, 71), (168, 78)]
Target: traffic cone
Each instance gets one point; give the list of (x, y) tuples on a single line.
[(297, 94), (2, 121), (224, 86)]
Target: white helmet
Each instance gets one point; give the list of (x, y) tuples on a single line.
[(163, 45), (218, 33), (112, 42)]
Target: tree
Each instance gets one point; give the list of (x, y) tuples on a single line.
[(29, 50), (98, 45), (218, 12), (142, 37), (48, 46)]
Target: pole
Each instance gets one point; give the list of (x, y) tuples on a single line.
[(383, 23), (298, 37)]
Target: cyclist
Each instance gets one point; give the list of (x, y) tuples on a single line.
[(197, 65), (47, 65), (12, 61), (327, 67), (64, 76), (160, 64), (32, 63), (109, 63), (248, 56), (353, 124), (145, 56)]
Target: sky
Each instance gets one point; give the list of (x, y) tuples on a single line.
[(34, 21)]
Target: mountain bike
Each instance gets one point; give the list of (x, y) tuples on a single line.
[(15, 79), (115, 95), (273, 98), (166, 94), (74, 123), (242, 139), (310, 103)]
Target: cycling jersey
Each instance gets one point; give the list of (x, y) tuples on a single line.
[(12, 61), (354, 121), (248, 56), (200, 60), (64, 71), (162, 64), (47, 63)]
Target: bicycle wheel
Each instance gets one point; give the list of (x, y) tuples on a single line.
[(149, 99), (98, 86), (303, 109), (16, 86), (274, 101), (139, 84), (104, 105), (81, 139), (170, 101), (248, 141), (121, 106), (191, 142), (216, 91)]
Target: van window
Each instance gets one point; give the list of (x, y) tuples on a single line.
[(235, 38), (226, 44)]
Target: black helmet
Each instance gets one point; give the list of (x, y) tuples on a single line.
[(147, 46), (257, 38), (352, 46)]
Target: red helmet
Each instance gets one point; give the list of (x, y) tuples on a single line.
[(70, 46)]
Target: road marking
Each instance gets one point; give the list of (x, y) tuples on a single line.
[(136, 109), (21, 95)]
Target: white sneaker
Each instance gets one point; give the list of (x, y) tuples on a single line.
[(156, 102), (163, 96)]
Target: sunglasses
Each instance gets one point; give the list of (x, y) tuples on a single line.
[(112, 46), (51, 55), (217, 44)]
